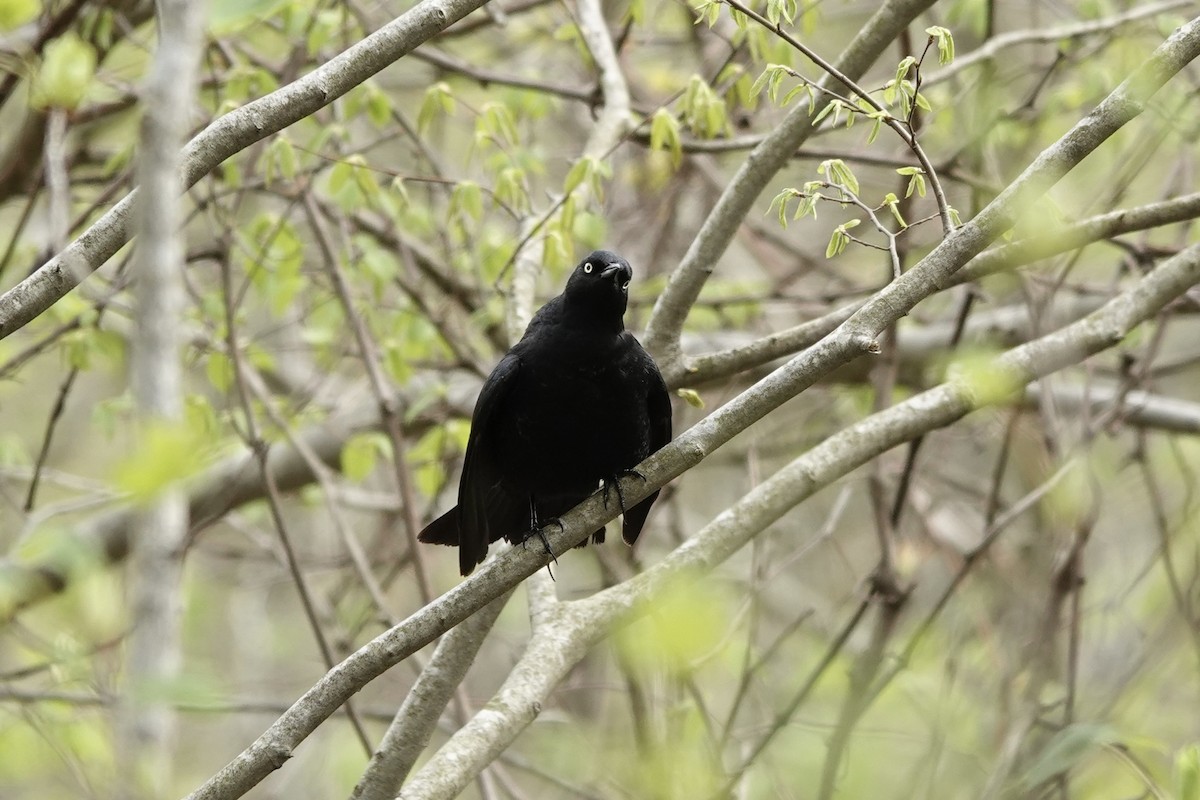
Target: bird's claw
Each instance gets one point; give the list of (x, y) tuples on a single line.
[(536, 530), (614, 482)]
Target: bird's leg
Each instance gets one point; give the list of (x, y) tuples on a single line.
[(535, 528), (614, 482)]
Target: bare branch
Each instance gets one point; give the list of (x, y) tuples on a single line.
[(414, 723), (1074, 30)]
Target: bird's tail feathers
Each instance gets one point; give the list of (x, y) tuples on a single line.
[(634, 518), (443, 530), (597, 537)]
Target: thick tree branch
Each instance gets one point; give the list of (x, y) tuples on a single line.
[(418, 716)]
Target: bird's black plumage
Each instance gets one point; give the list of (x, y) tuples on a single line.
[(577, 401)]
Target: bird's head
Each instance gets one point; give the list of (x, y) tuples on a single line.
[(600, 285)]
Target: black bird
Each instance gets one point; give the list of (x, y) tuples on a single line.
[(575, 403)]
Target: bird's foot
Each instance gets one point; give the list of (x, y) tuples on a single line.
[(536, 530), (613, 482)]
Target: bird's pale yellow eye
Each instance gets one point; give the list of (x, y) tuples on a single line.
[(587, 267)]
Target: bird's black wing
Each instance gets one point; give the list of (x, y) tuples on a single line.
[(658, 409), (483, 507)]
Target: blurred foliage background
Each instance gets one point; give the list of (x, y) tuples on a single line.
[(1060, 660)]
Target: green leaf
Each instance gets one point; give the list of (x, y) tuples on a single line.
[(893, 204), (396, 361), (77, 349), (1187, 773), (339, 176), (781, 10), (780, 201), (438, 99), (889, 92), (945, 43), (15, 13), (555, 254), (580, 172), (379, 264), (806, 206), (67, 68), (281, 155), (795, 90), (566, 216), (708, 12), (838, 172), (692, 397), (361, 452), (839, 239), (379, 107), (916, 180), (429, 478), (704, 110), (511, 189), (825, 111), (836, 242), (975, 373), (496, 120), (219, 371), (467, 198), (664, 134), (325, 25), (761, 81), (875, 128), (201, 416), (166, 454)]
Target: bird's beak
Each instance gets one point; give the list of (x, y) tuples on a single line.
[(621, 272)]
